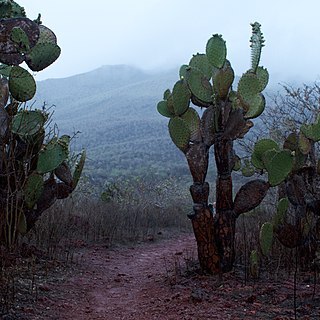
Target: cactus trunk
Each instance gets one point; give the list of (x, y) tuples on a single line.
[(203, 228)]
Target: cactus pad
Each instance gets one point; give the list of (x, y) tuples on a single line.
[(312, 131), (46, 35), (216, 51), (279, 166), (250, 196), (183, 71), (259, 149), (9, 51), (181, 97), (208, 126), (304, 144), (192, 119), (199, 85), (237, 163), (21, 39), (42, 55), (266, 238), (223, 79), (263, 76), (162, 108), (33, 189), (248, 89), (256, 107), (78, 169), (22, 85), (4, 92), (63, 173), (52, 155), (282, 208), (200, 62), (179, 133), (10, 9), (166, 94), (27, 123), (247, 169)]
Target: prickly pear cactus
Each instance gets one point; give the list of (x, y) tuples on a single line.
[(294, 169), (34, 170), (207, 82)]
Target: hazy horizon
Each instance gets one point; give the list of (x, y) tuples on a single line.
[(162, 35)]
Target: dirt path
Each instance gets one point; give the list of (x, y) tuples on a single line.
[(144, 283)]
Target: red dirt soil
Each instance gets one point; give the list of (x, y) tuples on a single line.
[(156, 280)]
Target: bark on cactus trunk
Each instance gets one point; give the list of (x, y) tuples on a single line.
[(214, 233)]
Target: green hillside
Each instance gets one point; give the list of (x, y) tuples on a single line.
[(114, 108)]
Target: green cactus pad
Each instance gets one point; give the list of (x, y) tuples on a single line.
[(200, 62), (223, 79), (21, 39), (312, 131), (266, 238), (78, 169), (247, 169), (292, 143), (256, 107), (179, 133), (162, 108), (259, 149), (10, 9), (33, 189), (216, 51), (199, 85), (278, 165), (191, 117), (183, 71), (166, 94), (304, 144), (181, 97), (263, 76), (28, 122), (22, 85), (5, 70), (282, 208), (248, 89), (42, 55), (52, 155), (237, 163)]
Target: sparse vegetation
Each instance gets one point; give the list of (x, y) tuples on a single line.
[(135, 187)]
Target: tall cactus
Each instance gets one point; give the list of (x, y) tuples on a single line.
[(34, 172), (206, 82)]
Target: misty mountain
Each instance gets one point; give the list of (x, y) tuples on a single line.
[(114, 108)]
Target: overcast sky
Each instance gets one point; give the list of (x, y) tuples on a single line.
[(162, 34)]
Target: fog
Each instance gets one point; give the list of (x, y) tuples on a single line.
[(163, 34)]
